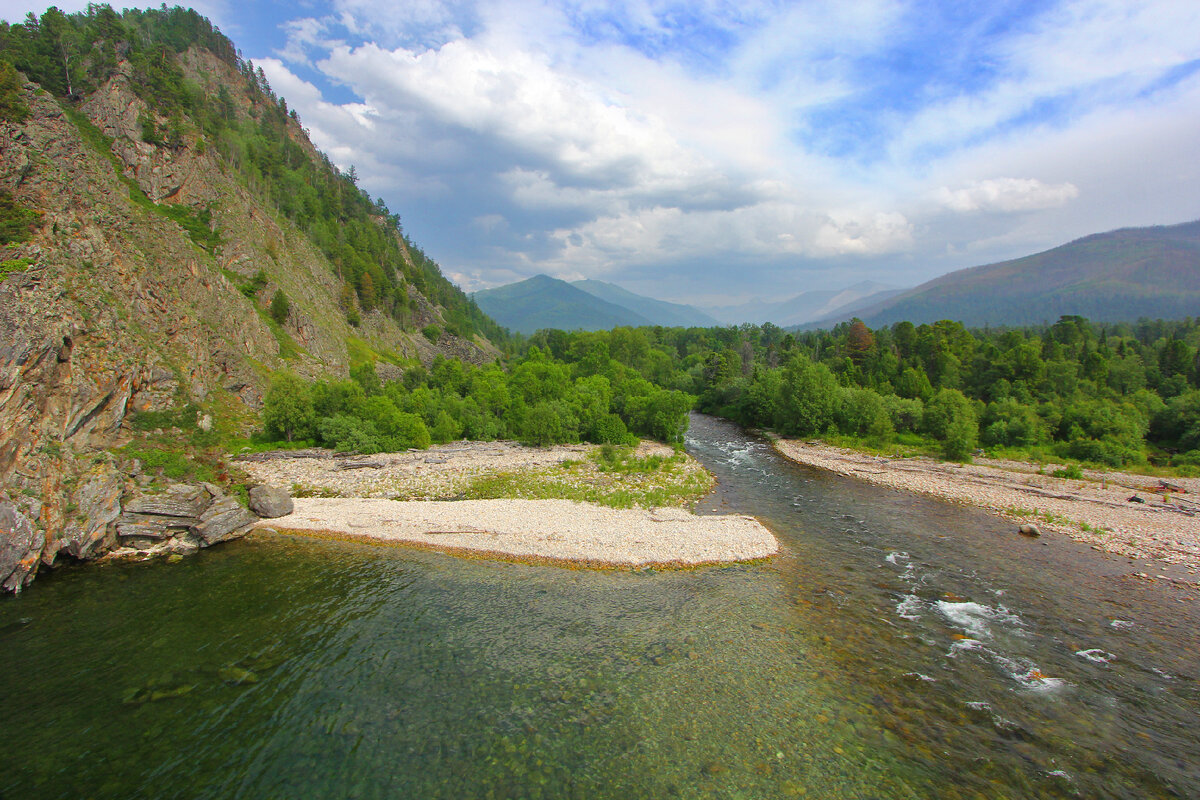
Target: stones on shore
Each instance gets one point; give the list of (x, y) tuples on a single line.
[(1029, 529), (270, 502)]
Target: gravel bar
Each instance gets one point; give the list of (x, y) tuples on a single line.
[(537, 531), (1121, 513)]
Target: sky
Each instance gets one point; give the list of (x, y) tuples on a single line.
[(712, 152)]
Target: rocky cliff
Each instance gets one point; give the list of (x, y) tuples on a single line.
[(144, 288)]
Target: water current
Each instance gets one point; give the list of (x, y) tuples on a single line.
[(897, 647)]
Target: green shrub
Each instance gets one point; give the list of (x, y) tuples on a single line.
[(279, 307), (13, 107), (432, 333)]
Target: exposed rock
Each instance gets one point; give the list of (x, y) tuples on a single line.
[(223, 520), (178, 501), (20, 546), (1029, 529), (98, 502), (270, 501)]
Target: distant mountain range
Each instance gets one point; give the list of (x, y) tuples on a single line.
[(1107, 277), (545, 302), (806, 306)]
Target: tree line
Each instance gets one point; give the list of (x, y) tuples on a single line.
[(539, 401)]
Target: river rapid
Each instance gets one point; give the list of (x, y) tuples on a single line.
[(897, 647)]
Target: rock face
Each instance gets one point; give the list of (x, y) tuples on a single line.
[(270, 502), (20, 547), (120, 311)]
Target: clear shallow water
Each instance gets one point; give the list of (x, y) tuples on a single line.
[(898, 647)]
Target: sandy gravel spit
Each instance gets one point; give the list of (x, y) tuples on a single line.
[(1164, 525), (537, 531)]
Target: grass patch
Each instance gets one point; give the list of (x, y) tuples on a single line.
[(647, 483), (360, 352), (14, 265)]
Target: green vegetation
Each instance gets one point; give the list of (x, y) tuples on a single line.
[(13, 107), (16, 221), (279, 307), (614, 477), (14, 265), (541, 401)]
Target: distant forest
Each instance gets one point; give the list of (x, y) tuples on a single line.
[(253, 131)]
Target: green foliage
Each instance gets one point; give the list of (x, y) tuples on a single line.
[(432, 333), (16, 220), (288, 408), (13, 107), (14, 265), (279, 307)]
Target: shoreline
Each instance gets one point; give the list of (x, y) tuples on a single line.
[(1096, 510), (552, 532)]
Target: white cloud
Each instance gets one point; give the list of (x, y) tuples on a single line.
[(1007, 194)]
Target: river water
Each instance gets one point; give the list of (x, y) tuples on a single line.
[(896, 648)]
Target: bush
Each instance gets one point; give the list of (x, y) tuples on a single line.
[(432, 333), (279, 307)]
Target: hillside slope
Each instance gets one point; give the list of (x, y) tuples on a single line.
[(1116, 276), (545, 302), (155, 208)]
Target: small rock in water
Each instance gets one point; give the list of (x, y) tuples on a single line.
[(1029, 529)]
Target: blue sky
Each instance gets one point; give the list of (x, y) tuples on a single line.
[(713, 151)]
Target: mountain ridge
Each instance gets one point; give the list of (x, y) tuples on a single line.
[(1112, 276)]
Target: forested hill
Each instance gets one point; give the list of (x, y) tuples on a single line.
[(171, 239), (544, 302), (1117, 276)]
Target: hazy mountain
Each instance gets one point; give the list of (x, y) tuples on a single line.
[(659, 312), (545, 302), (805, 306), (1115, 276)]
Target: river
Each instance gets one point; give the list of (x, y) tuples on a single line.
[(897, 647)]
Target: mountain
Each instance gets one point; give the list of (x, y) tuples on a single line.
[(545, 302), (659, 312), (171, 238), (1116, 276), (806, 306)]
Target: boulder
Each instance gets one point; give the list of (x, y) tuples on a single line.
[(178, 501), (270, 501), (223, 519), (1029, 529)]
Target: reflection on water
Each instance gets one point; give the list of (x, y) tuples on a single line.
[(896, 648)]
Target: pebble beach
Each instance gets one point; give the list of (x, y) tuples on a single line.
[(1161, 523)]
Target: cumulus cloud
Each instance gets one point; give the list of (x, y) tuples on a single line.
[(1007, 194), (671, 140)]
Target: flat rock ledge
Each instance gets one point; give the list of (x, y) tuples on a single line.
[(538, 531)]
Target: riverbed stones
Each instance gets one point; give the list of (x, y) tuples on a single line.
[(270, 501)]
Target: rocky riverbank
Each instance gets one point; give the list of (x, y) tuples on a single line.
[(1130, 515)]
